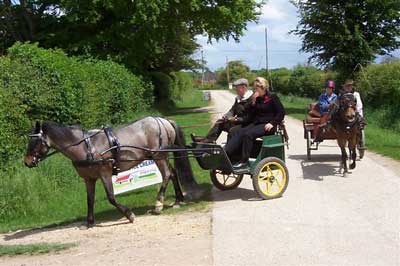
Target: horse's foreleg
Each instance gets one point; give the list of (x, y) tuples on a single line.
[(107, 182), (177, 188), (90, 193), (344, 159), (166, 174), (352, 148)]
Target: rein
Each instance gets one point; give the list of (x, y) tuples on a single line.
[(115, 147), (41, 137)]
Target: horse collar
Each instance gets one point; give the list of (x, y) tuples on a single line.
[(349, 126), (113, 141)]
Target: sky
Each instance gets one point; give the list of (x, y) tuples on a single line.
[(279, 16)]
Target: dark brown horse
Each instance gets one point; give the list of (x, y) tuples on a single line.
[(346, 125), (92, 157)]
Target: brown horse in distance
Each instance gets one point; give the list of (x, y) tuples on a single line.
[(346, 124)]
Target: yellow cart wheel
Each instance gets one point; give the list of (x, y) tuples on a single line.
[(270, 178)]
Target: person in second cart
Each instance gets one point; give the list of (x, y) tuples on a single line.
[(348, 88), (326, 102)]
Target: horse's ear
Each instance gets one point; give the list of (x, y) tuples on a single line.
[(37, 126)]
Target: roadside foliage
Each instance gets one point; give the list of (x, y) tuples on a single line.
[(39, 84)]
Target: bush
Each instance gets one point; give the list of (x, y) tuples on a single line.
[(379, 85), (170, 88), (306, 82), (163, 86), (39, 84), (280, 80), (182, 84), (211, 86)]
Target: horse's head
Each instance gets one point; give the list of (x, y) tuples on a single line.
[(347, 105), (38, 146)]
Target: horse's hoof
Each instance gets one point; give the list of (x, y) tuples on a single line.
[(131, 217), (86, 226), (176, 206), (156, 211), (352, 166)]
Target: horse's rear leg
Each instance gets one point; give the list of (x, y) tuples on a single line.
[(178, 191), (90, 193), (107, 182)]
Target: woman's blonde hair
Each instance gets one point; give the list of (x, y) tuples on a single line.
[(262, 82)]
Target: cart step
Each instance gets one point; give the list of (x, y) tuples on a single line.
[(242, 171)]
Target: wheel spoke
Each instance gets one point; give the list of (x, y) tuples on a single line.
[(262, 176), (277, 182)]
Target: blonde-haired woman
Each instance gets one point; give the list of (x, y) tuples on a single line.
[(265, 114)]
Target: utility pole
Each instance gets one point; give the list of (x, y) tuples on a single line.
[(202, 68), (266, 58), (227, 70), (266, 49)]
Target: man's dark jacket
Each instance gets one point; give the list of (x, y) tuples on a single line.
[(240, 109)]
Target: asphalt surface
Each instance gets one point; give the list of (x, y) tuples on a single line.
[(322, 219)]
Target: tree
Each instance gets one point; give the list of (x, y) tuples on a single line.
[(342, 34), (237, 69), (145, 35)]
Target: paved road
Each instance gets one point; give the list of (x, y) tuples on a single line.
[(322, 219)]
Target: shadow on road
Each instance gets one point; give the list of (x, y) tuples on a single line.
[(107, 216), (238, 193), (319, 166)]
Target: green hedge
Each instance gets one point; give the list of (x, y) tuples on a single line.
[(170, 88), (39, 84), (304, 81), (182, 84), (379, 86)]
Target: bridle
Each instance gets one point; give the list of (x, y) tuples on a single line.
[(348, 101), (38, 156)]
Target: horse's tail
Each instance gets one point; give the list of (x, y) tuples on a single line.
[(182, 165)]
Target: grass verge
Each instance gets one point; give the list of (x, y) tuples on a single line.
[(378, 139), (32, 249), (53, 194)]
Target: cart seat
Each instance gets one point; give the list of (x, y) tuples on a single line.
[(313, 120), (313, 110)]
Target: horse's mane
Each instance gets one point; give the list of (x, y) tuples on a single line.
[(61, 131)]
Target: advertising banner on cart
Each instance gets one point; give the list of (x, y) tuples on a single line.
[(143, 175)]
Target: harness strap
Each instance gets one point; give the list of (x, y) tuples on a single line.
[(89, 145), (113, 141), (160, 139)]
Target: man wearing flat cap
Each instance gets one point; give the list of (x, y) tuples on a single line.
[(348, 88), (234, 118)]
